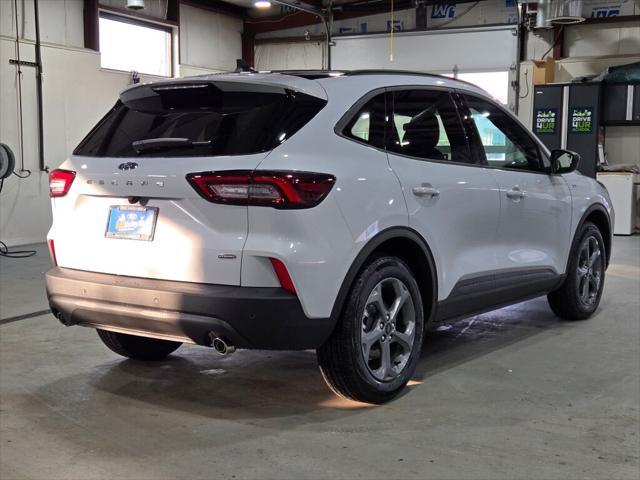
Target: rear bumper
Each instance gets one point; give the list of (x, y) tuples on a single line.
[(250, 317)]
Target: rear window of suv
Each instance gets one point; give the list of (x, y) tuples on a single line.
[(198, 120)]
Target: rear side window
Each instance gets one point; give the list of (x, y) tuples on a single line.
[(368, 124), (426, 125), (198, 120)]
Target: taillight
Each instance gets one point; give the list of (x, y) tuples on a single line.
[(278, 189), (60, 182), (283, 275)]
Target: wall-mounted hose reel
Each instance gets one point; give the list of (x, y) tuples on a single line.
[(7, 161)]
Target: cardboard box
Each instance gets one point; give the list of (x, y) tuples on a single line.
[(543, 71)]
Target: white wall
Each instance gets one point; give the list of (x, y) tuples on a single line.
[(209, 40), (60, 21), (289, 56), (77, 93)]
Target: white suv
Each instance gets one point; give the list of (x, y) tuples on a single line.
[(339, 211)]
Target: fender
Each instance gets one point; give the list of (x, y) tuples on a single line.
[(592, 208), (365, 253)]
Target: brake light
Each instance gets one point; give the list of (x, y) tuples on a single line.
[(283, 275), (278, 189), (52, 251), (60, 182)]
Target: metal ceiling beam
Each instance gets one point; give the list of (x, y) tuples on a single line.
[(217, 6), (304, 7)]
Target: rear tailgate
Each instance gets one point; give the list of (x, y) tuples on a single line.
[(186, 126), (193, 241)]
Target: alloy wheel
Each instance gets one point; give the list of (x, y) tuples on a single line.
[(589, 271), (388, 329)]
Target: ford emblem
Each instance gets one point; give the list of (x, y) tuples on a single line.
[(128, 166)]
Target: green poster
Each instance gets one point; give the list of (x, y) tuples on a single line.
[(581, 120), (546, 121)]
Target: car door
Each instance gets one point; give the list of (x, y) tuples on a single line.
[(452, 201), (535, 206)]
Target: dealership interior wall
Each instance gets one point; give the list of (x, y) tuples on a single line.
[(77, 91), (512, 393)]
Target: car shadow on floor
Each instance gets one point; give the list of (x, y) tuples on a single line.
[(454, 343), (286, 388)]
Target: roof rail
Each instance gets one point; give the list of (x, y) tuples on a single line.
[(315, 74), (310, 74), (403, 72)]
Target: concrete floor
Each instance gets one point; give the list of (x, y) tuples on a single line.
[(510, 394)]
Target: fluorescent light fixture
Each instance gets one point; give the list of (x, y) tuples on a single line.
[(262, 4)]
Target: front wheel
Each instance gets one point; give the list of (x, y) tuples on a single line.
[(580, 294), (376, 345)]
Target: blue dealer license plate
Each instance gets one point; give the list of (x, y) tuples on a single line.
[(131, 222)]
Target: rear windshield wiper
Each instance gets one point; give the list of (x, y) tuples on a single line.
[(164, 143)]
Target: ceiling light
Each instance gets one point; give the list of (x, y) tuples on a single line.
[(135, 4), (262, 4)]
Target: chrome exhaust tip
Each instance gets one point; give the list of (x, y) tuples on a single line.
[(221, 345)]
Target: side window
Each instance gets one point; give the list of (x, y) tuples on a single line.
[(426, 125), (504, 142), (368, 124)]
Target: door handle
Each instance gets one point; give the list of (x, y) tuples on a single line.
[(425, 191), (515, 193)]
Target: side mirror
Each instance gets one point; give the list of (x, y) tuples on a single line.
[(564, 161)]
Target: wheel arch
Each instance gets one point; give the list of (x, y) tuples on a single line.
[(406, 244), (598, 215)]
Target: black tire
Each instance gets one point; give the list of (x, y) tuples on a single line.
[(138, 348), (342, 357), (568, 302)]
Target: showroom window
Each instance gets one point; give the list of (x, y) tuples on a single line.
[(426, 125), (132, 45), (505, 144)]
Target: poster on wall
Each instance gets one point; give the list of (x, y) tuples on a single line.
[(581, 120), (472, 13), (606, 9), (546, 121)]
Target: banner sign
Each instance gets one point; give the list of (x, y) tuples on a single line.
[(546, 121), (581, 120), (607, 8)]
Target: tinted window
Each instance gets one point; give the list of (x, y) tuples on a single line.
[(504, 143), (203, 121), (368, 124), (426, 125)]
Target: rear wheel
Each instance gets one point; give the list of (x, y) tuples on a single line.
[(376, 345), (579, 296), (137, 348)]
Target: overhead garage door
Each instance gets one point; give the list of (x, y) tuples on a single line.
[(471, 50), (491, 48)]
